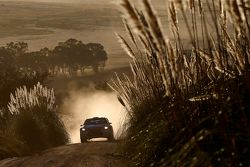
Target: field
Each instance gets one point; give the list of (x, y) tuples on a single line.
[(44, 25), (26, 18)]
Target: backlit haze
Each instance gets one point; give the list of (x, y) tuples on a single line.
[(44, 23)]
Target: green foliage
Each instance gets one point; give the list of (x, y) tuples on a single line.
[(187, 108)]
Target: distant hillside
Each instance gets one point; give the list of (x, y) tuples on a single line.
[(65, 1), (26, 18), (45, 24)]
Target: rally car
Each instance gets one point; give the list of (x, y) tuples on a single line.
[(97, 127)]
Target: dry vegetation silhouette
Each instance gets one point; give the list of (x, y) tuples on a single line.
[(187, 107), (30, 123)]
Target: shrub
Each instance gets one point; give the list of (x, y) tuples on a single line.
[(33, 121), (187, 107)]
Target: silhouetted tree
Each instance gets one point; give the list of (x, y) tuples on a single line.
[(72, 55), (18, 48), (99, 55), (77, 55)]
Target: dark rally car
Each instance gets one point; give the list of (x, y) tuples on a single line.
[(96, 127)]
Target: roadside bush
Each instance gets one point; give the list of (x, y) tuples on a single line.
[(11, 78), (11, 147), (187, 106), (33, 122)]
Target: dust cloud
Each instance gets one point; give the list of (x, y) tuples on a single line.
[(86, 103)]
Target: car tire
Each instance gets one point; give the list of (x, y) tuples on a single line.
[(111, 138), (83, 140)]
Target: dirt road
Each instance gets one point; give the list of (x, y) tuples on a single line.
[(91, 154)]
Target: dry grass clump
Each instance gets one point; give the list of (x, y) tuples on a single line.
[(27, 100), (32, 124), (187, 107)]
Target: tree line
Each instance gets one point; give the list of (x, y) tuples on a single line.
[(67, 57)]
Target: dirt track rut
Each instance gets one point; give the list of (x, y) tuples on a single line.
[(91, 154)]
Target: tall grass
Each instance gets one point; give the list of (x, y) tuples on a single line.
[(187, 107), (32, 124)]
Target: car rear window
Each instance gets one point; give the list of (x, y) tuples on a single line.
[(95, 121)]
